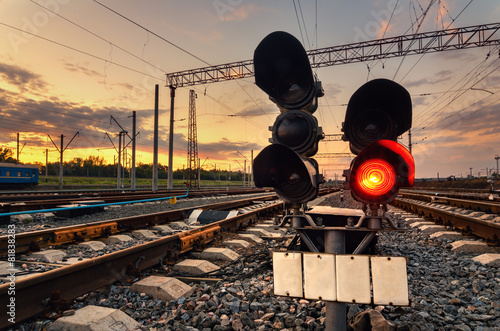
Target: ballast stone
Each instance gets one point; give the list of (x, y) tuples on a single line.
[(492, 260), (163, 229), (144, 235), (95, 318), (93, 245), (216, 253), (23, 218), (195, 267), (432, 228), (259, 232), (270, 228), (237, 243), (252, 237), (420, 224), (119, 238), (49, 256), (178, 225), (163, 288), (411, 220), (472, 246), (446, 235)]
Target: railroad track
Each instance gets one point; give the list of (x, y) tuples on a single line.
[(77, 279), (71, 281), (35, 240), (467, 222), (479, 194), (24, 203), (477, 205)]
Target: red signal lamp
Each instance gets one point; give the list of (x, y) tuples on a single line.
[(379, 170)]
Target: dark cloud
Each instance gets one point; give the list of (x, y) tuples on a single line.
[(81, 69), (228, 148), (256, 112), (437, 78), (23, 79)]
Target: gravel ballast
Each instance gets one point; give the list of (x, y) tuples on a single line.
[(448, 291)]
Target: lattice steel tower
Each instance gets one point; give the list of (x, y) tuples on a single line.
[(192, 153)]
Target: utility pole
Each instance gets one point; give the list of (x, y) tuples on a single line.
[(470, 173), (155, 143), (132, 170), (19, 151), (497, 158), (119, 170), (132, 139), (61, 151), (46, 165), (251, 168), (17, 162), (192, 152), (171, 140), (409, 140)]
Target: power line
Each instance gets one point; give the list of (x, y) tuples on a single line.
[(98, 36), (80, 51), (153, 33)]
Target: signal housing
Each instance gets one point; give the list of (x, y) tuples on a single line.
[(379, 170), (283, 71), (379, 109)]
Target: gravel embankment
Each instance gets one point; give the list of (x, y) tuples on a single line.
[(448, 291)]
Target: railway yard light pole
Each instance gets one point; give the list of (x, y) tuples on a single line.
[(497, 158), (315, 265)]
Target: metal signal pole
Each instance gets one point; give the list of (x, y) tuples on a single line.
[(155, 143), (171, 140)]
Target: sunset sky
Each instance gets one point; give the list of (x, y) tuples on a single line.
[(68, 65)]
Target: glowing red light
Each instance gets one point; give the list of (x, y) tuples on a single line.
[(375, 177)]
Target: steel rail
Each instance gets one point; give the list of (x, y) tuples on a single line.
[(487, 207), (69, 282), (7, 205), (75, 280), (35, 240), (72, 281), (490, 231)]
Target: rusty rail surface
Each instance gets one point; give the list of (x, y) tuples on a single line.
[(7, 205), (490, 231), (33, 241), (69, 282), (487, 207), (470, 194)]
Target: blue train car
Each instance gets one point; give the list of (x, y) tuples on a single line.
[(18, 175)]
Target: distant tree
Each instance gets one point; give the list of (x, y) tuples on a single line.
[(6, 155)]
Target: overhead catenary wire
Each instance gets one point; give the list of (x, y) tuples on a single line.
[(461, 90), (82, 52)]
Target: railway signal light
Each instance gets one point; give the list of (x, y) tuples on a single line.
[(379, 109), (379, 170), (283, 71), (377, 113)]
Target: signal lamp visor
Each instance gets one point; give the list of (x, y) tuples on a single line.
[(294, 178), (297, 130)]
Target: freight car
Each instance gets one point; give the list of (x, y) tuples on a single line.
[(14, 176)]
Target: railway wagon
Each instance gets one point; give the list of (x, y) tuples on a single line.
[(13, 176)]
